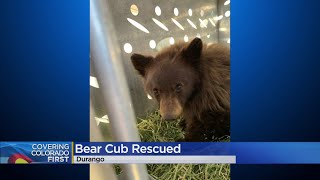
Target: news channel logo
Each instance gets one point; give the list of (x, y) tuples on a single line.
[(35, 152)]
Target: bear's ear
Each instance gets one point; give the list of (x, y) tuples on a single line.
[(141, 63), (193, 50)]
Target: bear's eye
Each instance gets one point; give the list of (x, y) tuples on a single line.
[(156, 92), (178, 87)]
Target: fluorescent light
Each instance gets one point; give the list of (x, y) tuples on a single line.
[(223, 29), (94, 82), (201, 13), (176, 11), (127, 48), (227, 13), (152, 44), (203, 23), (177, 23), (171, 40), (191, 23), (158, 11), (138, 25), (103, 119), (213, 24), (185, 38), (134, 10), (190, 12), (217, 18), (160, 24)]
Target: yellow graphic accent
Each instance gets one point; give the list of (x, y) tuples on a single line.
[(21, 161)]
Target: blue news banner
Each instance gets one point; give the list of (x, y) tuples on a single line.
[(162, 153)]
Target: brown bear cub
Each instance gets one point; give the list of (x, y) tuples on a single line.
[(193, 81)]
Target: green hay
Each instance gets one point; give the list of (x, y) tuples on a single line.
[(153, 129)]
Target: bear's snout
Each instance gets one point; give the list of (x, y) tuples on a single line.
[(170, 109), (168, 117)]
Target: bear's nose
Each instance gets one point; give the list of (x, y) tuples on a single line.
[(168, 117)]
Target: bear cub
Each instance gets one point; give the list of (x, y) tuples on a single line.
[(192, 81)]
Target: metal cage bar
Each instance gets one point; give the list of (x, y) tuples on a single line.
[(99, 171), (107, 62)]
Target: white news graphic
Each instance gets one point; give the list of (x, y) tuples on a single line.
[(155, 159), (155, 153)]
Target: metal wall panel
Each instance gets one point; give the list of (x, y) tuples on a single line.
[(203, 16), (224, 23)]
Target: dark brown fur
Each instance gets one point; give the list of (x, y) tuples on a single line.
[(192, 80)]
